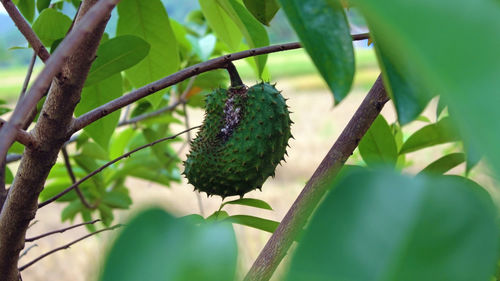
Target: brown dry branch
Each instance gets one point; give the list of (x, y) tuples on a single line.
[(216, 63), (66, 246), (26, 30), (60, 230), (298, 214), (95, 172), (67, 70)]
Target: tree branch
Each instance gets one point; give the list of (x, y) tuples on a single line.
[(21, 136), (67, 163), (220, 62), (298, 214), (59, 230), (70, 44), (26, 30), (28, 76), (109, 164), (66, 246), (67, 70)]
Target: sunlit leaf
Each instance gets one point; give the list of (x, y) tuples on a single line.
[(27, 8), (97, 95), (262, 10), (253, 31), (116, 55), (430, 135), (378, 146), (254, 222), (252, 202), (324, 32), (51, 25), (445, 163), (149, 21), (222, 25)]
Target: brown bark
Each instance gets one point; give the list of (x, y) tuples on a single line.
[(50, 132), (296, 218)]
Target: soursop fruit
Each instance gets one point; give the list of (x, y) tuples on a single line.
[(242, 139)]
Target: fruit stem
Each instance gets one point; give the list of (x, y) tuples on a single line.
[(234, 75)]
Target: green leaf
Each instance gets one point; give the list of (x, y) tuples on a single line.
[(70, 211), (430, 135), (262, 10), (9, 177), (378, 146), (218, 215), (324, 32), (155, 246), (255, 222), (56, 186), (119, 142), (93, 150), (149, 21), (380, 225), (203, 47), (117, 199), (97, 95), (408, 97), (445, 163), (249, 202), (180, 34), (106, 214), (27, 8), (253, 32), (116, 55), (460, 64), (42, 5), (222, 25), (87, 216), (51, 25)]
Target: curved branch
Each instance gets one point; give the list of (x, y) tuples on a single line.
[(220, 62), (109, 164), (26, 30), (298, 214)]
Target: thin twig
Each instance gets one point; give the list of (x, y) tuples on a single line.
[(67, 163), (25, 252), (67, 246), (60, 230), (28, 76), (216, 63), (150, 114), (21, 135), (23, 109), (299, 213), (26, 30), (109, 164)]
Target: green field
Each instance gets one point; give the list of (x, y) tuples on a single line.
[(290, 64)]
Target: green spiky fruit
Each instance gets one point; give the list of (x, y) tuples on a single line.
[(242, 139)]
